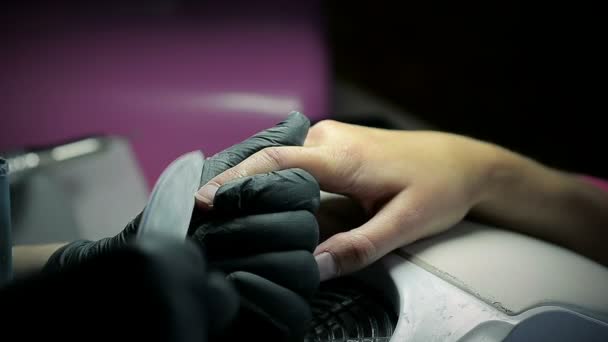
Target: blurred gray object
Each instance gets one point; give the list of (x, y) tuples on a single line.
[(169, 210), (84, 189), (5, 225)]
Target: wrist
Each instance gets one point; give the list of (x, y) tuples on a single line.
[(523, 192), (504, 173), (500, 172), (495, 169), (32, 258), (509, 172), (70, 254)]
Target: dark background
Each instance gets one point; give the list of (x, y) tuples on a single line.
[(528, 75)]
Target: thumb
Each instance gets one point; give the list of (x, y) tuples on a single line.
[(351, 251)]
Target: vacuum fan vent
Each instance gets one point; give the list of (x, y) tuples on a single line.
[(344, 312)]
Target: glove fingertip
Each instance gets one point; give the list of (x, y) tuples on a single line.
[(298, 118), (297, 125)]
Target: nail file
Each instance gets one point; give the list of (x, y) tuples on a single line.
[(169, 208)]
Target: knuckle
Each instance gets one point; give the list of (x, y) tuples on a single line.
[(416, 215), (233, 173), (347, 152), (273, 157), (358, 250), (324, 125), (320, 131), (345, 163)]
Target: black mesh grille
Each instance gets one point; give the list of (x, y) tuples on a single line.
[(345, 311)]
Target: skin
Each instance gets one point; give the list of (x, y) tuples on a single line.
[(414, 184), (31, 258)]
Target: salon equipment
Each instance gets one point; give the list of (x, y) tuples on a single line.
[(471, 283), (6, 241), (169, 209), (58, 190)]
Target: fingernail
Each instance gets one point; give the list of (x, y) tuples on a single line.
[(206, 194), (327, 266)]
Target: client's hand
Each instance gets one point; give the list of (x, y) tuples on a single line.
[(414, 184), (410, 184)]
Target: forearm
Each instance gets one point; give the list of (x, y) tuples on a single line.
[(31, 258), (560, 207)]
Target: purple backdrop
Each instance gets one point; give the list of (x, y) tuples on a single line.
[(168, 87)]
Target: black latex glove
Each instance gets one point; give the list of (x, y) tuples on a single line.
[(150, 291), (269, 259), (262, 232), (291, 131), (266, 250)]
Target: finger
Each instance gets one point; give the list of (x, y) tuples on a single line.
[(273, 232), (265, 161), (295, 270), (222, 302), (393, 226), (337, 214), (266, 303), (284, 190), (290, 132)]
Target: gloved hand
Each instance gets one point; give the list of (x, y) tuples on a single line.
[(266, 251), (163, 284), (261, 231), (291, 131)]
